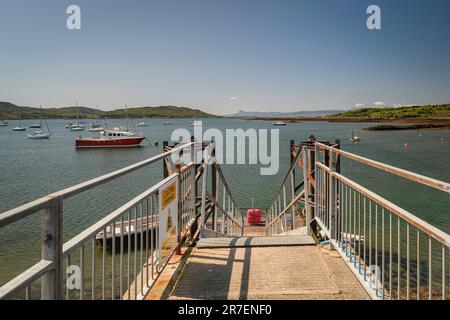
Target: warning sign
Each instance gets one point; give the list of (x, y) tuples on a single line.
[(168, 219), (168, 195)]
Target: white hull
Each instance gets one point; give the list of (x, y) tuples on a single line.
[(39, 137)]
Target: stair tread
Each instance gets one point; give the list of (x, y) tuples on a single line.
[(287, 240)]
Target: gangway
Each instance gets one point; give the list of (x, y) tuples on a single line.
[(325, 237)]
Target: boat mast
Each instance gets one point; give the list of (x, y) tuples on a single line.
[(78, 116), (40, 111), (126, 117)]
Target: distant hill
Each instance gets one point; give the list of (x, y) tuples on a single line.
[(441, 111), (160, 112), (318, 113), (12, 111)]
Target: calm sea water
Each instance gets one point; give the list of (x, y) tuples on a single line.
[(34, 168)]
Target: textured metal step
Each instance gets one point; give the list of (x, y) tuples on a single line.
[(296, 240)]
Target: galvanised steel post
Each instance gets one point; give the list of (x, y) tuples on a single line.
[(306, 188), (165, 172), (193, 182), (332, 199), (51, 249), (292, 178), (316, 176), (177, 166)]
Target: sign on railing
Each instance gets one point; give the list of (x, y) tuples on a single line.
[(168, 224)]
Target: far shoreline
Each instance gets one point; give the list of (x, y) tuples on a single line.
[(393, 124)]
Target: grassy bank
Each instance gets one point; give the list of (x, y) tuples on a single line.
[(431, 114), (414, 112)]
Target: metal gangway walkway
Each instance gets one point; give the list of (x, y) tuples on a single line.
[(324, 237)]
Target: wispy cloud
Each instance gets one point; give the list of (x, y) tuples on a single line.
[(379, 104), (399, 105)]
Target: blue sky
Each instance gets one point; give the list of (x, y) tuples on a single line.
[(270, 55)]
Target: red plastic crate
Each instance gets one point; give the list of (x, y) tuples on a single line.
[(253, 216)]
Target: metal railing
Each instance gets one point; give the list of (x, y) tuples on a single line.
[(281, 214), (220, 214), (393, 253), (115, 258)]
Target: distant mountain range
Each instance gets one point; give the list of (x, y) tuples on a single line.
[(12, 111), (317, 113)]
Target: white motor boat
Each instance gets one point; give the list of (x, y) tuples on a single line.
[(76, 127)]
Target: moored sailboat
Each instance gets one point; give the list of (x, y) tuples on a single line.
[(40, 134), (78, 126), (19, 127), (354, 138)]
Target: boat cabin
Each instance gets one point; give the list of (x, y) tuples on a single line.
[(115, 133)]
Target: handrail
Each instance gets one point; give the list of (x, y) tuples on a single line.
[(25, 278), (296, 199), (210, 160), (76, 241), (367, 237), (291, 168), (29, 208), (434, 183), (222, 177), (402, 213), (214, 201)]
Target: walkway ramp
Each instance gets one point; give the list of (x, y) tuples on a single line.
[(266, 272)]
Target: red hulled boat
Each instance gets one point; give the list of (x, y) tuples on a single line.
[(111, 139)]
